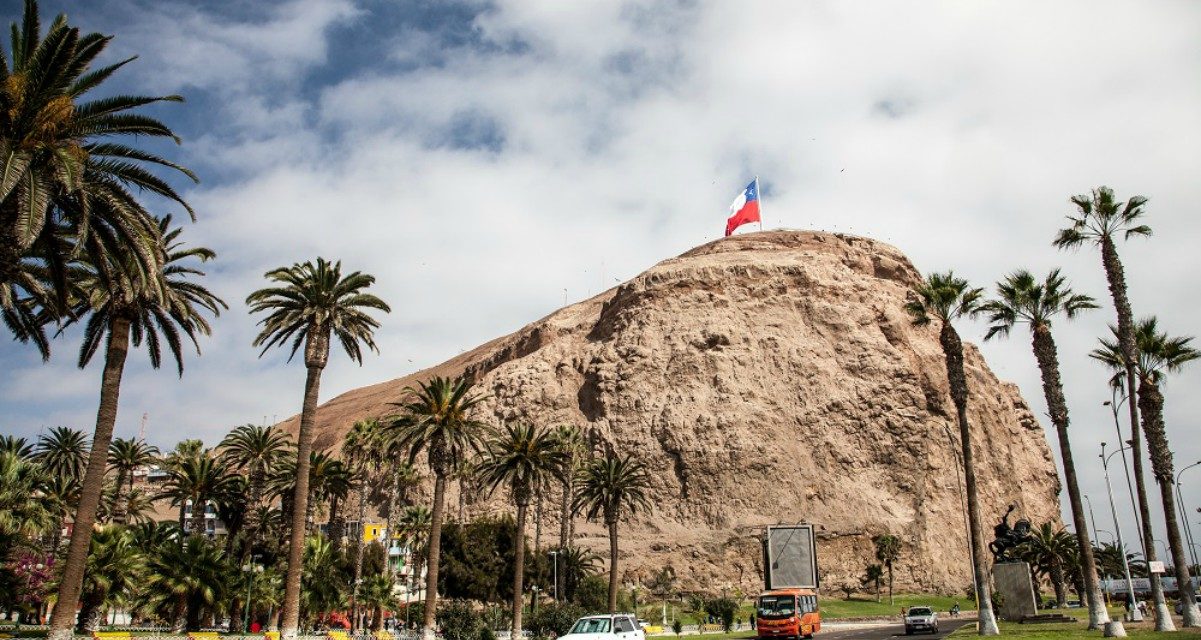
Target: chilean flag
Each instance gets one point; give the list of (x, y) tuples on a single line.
[(745, 208)]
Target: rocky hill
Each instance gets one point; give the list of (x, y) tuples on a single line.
[(766, 378)]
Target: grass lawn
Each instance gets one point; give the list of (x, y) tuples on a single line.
[(834, 608), (1144, 630)]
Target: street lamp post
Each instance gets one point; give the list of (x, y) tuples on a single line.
[(554, 556), (1188, 529), (250, 570), (1134, 614), (1138, 522)]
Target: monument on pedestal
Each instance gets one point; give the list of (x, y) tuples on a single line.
[(1011, 574)]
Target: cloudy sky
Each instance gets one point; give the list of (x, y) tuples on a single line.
[(485, 160)]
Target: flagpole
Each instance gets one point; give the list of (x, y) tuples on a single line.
[(759, 194)]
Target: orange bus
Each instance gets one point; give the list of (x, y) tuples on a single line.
[(787, 613)]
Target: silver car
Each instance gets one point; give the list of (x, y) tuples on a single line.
[(921, 619)]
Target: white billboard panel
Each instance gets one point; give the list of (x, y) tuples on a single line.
[(791, 557)]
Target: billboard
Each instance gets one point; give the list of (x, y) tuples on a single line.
[(790, 552)]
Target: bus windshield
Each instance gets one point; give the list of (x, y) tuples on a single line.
[(777, 606)]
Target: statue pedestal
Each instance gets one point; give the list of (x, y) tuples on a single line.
[(1016, 588)]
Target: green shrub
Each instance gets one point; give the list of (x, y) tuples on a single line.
[(724, 609), (486, 633), (554, 620), (459, 622), (677, 626)]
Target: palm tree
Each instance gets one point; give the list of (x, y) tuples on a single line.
[(577, 563), (524, 458), (63, 173), (1099, 219), (125, 455), (19, 516), (196, 480), (414, 529), (435, 419), (1049, 549), (254, 450), (1023, 299), (872, 575), (115, 567), (1158, 355), (362, 454), (16, 446), (63, 453), (122, 305), (888, 550), (378, 595), (945, 298), (612, 487), (572, 442), (183, 580), (312, 304), (398, 479)]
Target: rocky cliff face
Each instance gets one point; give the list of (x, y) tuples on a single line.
[(765, 378)]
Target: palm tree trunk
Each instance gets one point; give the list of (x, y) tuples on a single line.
[(519, 568), (612, 522), (61, 622), (358, 553), (435, 555), (198, 508), (1047, 356), (392, 525), (1061, 594), (952, 348), (538, 525), (1150, 401), (300, 503), (564, 525), (890, 599), (337, 524), (121, 503), (1115, 276)]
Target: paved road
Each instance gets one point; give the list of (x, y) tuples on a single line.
[(891, 631)]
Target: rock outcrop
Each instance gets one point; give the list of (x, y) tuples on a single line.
[(765, 378)]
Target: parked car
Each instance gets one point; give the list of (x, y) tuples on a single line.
[(619, 626), (921, 619)]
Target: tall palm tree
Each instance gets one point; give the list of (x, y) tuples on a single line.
[(255, 450), (123, 306), (398, 479), (1099, 219), (524, 458), (946, 298), (1021, 298), (612, 487), (571, 441), (414, 528), (311, 304), (63, 453), (197, 480), (1158, 355), (1049, 550), (888, 550), (63, 172), (436, 419), (125, 455), (362, 453)]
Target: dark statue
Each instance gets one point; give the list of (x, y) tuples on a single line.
[(1007, 539)]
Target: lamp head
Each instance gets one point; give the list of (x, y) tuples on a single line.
[(1107, 403)]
